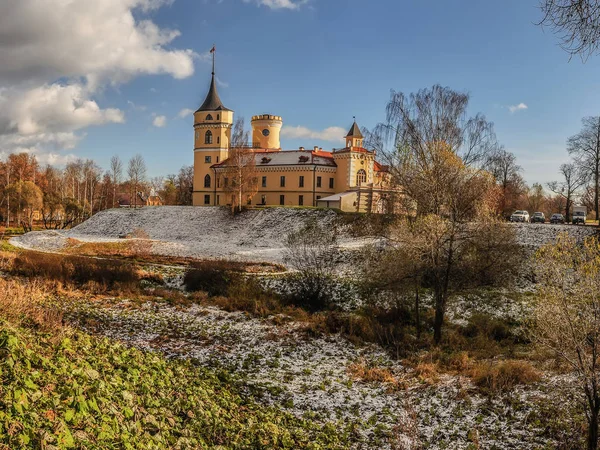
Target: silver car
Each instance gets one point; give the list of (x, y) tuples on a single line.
[(519, 216)]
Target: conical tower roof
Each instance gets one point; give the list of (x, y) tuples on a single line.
[(213, 101), (354, 131)]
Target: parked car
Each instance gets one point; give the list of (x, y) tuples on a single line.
[(557, 218), (520, 216), (538, 217), (579, 217)]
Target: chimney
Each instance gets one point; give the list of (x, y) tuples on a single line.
[(316, 148), (301, 149)]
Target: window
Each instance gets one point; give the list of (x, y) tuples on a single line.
[(301, 181), (301, 200), (264, 181), (282, 181), (331, 183), (209, 117), (207, 181), (318, 197), (207, 199), (225, 181), (218, 200), (318, 181), (361, 177), (282, 199), (263, 200), (208, 137), (218, 117), (207, 159), (217, 159), (218, 182)]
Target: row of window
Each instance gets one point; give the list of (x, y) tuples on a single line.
[(208, 159), (207, 179), (263, 200), (210, 117), (361, 177)]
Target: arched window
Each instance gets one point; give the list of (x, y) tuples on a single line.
[(361, 177), (208, 137), (209, 117), (207, 181)]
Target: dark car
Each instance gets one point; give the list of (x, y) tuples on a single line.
[(557, 218), (538, 217)]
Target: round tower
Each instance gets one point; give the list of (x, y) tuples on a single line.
[(265, 131)]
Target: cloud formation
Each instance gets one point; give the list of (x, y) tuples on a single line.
[(279, 4), (107, 42), (514, 108), (159, 121), (333, 134), (185, 112)]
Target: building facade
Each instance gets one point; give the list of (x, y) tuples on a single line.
[(349, 179)]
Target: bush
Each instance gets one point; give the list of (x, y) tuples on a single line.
[(503, 376), (212, 277), (77, 269), (490, 327), (310, 290)]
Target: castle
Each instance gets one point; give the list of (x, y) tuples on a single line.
[(349, 179)]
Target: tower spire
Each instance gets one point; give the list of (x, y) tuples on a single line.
[(212, 101), (213, 50)]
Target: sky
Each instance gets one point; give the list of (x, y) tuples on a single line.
[(83, 79)]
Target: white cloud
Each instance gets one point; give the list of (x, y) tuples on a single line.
[(333, 134), (279, 4), (159, 121), (514, 108), (106, 42), (184, 113)]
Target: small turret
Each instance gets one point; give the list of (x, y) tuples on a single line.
[(265, 131), (354, 138)]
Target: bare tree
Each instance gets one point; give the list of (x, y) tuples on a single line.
[(567, 316), (313, 252), (136, 171), (572, 181), (432, 116), (240, 168), (575, 22), (435, 159), (503, 166), (116, 175), (585, 149), (536, 198)]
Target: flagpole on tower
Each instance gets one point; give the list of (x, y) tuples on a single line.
[(213, 50)]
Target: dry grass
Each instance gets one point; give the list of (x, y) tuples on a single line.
[(368, 373), (504, 375), (26, 304), (98, 273)]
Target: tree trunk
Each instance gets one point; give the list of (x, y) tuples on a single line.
[(417, 316), (439, 318), (592, 443)]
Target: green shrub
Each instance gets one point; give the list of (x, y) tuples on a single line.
[(84, 392)]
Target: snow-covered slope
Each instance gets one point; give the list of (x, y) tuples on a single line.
[(191, 231), (212, 232)]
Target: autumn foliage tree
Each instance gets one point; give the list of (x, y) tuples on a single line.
[(436, 159)]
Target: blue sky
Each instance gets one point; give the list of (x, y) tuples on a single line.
[(317, 63)]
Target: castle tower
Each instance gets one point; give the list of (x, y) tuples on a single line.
[(355, 163), (265, 131), (212, 134)]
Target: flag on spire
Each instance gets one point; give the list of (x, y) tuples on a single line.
[(213, 49)]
